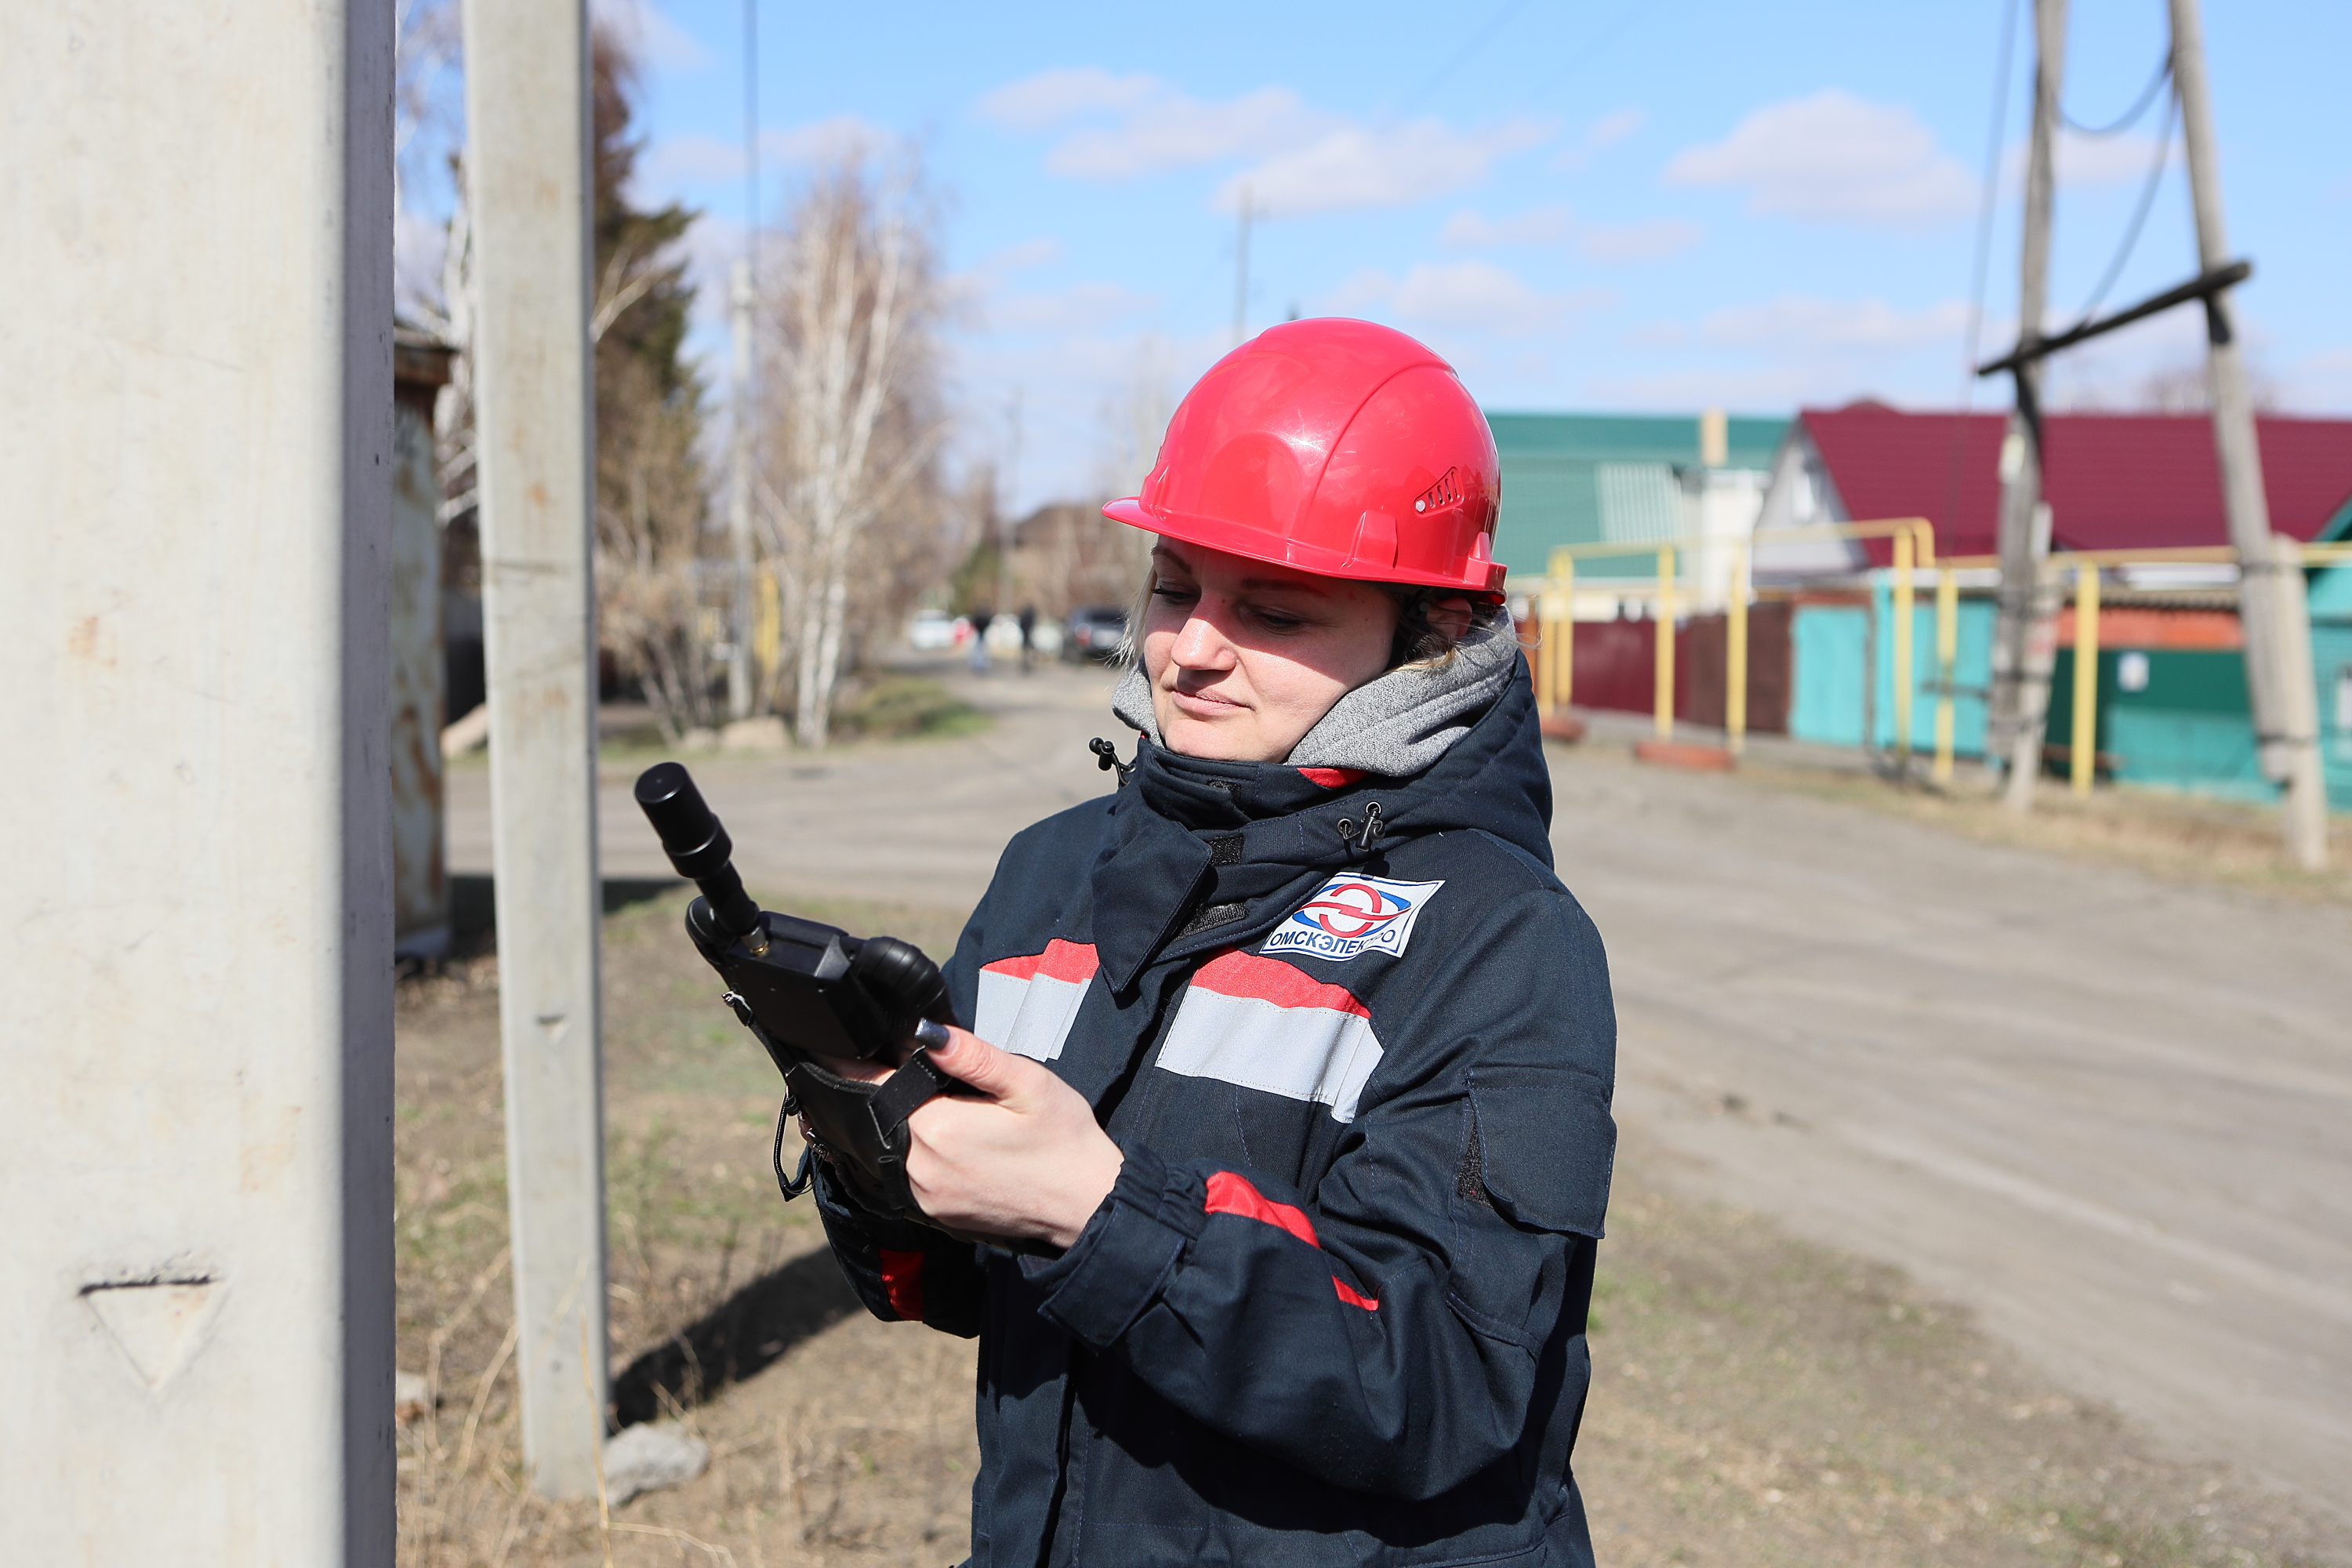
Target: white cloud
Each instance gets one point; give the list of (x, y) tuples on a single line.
[(1615, 127), (1804, 321), (1173, 132), (1462, 296), (1833, 157), (1358, 166), (2093, 159), (657, 41), (1081, 308), (1606, 131), (1624, 244), (1054, 97), (1467, 230), (695, 159), (1306, 159), (1609, 244)]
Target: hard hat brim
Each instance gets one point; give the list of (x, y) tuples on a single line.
[(1483, 575)]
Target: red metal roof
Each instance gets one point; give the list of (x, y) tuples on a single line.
[(2114, 482)]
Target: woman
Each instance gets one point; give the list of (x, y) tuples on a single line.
[(1295, 1059)]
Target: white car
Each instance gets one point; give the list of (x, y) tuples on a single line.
[(931, 631)]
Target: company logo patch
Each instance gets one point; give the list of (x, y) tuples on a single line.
[(1349, 915)]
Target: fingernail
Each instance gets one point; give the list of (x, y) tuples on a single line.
[(933, 1035)]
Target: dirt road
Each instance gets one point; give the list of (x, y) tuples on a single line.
[(2106, 1112)]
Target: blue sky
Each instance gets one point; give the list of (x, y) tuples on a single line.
[(1612, 205)]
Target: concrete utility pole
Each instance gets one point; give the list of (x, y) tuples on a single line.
[(527, 112), (1240, 275), (2279, 676), (2025, 638), (741, 298), (739, 502), (195, 875)]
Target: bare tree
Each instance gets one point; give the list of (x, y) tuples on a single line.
[(852, 512), (657, 589)]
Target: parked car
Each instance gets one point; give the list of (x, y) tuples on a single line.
[(1094, 631), (931, 631)]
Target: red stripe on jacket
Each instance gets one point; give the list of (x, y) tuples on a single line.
[(1234, 1195), (1332, 778), (1060, 960), (1238, 973)]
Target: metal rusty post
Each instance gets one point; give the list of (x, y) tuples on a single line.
[(1559, 630), (2082, 753), (1904, 674), (1735, 654), (1947, 649), (1664, 643)]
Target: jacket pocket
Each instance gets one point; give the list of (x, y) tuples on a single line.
[(1543, 1146)]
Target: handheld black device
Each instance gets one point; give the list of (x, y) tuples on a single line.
[(806, 990)]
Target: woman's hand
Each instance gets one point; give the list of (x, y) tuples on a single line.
[(1025, 1160)]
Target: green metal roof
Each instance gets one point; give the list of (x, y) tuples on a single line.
[(1574, 479)]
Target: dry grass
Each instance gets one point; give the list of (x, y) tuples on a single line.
[(1757, 1401), (2176, 836)]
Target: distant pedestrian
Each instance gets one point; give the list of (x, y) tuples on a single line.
[(976, 655), (1028, 638)]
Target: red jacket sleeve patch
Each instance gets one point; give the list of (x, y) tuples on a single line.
[(902, 1278)]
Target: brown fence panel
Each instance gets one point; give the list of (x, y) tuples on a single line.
[(1700, 670), (1615, 665)]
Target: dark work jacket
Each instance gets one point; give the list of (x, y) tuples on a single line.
[(1333, 1310)]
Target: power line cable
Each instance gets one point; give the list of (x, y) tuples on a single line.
[(2130, 116), (2001, 75), (1462, 55), (1601, 38), (2139, 216)]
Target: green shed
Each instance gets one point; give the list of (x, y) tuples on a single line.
[(1579, 478)]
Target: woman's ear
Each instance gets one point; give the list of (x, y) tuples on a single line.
[(1450, 618)]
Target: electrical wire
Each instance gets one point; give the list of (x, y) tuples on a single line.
[(1462, 55), (2130, 116), (2139, 216), (2003, 72)]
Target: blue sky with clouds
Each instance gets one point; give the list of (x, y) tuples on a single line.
[(1633, 204)]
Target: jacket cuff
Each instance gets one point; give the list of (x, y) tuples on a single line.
[(1122, 1260)]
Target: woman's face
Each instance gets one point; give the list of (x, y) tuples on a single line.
[(1243, 657)]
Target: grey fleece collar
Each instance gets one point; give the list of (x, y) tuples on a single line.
[(1394, 726)]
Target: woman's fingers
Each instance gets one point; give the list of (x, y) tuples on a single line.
[(995, 1073)]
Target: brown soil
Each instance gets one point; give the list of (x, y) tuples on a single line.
[(1756, 1400)]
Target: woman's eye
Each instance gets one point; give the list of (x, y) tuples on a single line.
[(1172, 594), (1276, 620)]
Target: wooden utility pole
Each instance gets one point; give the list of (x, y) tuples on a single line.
[(2025, 635), (2279, 677), (527, 114)]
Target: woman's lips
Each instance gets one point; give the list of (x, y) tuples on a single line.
[(1203, 704)]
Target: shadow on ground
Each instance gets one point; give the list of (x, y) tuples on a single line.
[(748, 1333)]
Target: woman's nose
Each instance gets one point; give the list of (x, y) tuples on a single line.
[(1200, 645)]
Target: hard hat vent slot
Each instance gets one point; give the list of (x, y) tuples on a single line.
[(1446, 492)]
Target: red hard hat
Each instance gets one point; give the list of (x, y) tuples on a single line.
[(1340, 447)]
